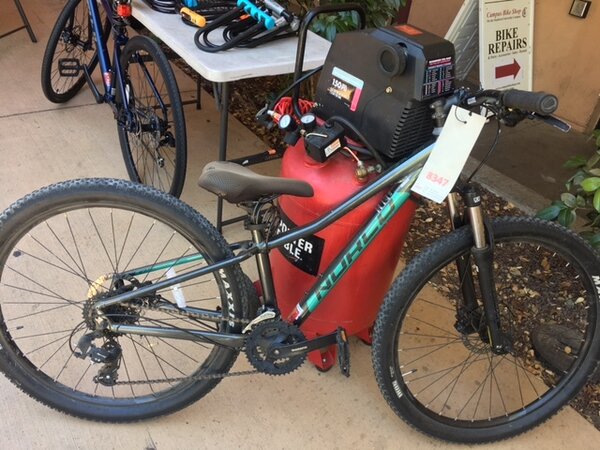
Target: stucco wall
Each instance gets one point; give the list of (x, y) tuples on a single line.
[(566, 53)]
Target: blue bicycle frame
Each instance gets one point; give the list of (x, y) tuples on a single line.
[(113, 77), (111, 72)]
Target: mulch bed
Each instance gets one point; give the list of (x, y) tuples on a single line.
[(431, 220)]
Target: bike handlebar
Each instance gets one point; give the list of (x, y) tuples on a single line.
[(535, 102), (539, 103)]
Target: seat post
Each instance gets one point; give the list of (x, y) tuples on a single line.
[(263, 264)]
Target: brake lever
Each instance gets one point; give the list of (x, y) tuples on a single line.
[(553, 121)]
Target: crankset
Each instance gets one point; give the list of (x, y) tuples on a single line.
[(276, 348), (262, 347)]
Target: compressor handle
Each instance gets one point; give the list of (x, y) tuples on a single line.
[(302, 34), (537, 102)]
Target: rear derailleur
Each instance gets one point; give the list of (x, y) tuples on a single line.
[(109, 355)]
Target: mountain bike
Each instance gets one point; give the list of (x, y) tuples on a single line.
[(143, 286), (139, 85)]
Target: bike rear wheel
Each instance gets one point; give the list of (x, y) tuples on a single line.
[(442, 377), (61, 249), (72, 43), (153, 139)]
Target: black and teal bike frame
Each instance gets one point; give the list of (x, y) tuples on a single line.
[(398, 180)]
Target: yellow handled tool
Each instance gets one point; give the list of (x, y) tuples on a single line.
[(193, 17)]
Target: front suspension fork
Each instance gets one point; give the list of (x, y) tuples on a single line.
[(483, 257)]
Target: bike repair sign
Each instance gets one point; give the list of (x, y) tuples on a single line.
[(506, 44)]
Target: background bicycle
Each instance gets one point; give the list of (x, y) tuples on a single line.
[(138, 84)]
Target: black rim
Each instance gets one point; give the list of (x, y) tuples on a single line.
[(444, 382), (68, 260), (151, 138), (76, 42)]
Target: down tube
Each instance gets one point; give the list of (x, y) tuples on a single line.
[(390, 206)]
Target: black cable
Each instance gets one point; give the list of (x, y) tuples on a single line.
[(489, 152), (342, 121), (359, 149), (243, 30), (303, 78)]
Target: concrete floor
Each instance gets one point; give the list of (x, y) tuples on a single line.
[(42, 143)]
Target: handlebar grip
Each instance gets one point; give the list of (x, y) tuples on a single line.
[(536, 102)]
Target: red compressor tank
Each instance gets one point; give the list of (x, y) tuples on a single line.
[(353, 304)]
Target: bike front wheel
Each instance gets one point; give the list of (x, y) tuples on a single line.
[(433, 360), (64, 247), (71, 46), (152, 125)]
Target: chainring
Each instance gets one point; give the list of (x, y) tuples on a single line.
[(263, 337)]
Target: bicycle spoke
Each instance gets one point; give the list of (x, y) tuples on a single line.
[(138, 247), (49, 344), (47, 300), (443, 354), (65, 248), (70, 269), (114, 268), (125, 239), (160, 254), (76, 247), (72, 302)]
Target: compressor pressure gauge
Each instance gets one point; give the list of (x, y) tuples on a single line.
[(287, 123), (309, 122)]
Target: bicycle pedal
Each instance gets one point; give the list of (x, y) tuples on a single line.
[(69, 67), (343, 352)]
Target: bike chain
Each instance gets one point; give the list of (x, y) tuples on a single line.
[(213, 376)]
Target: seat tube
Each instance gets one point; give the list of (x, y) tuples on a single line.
[(263, 265)]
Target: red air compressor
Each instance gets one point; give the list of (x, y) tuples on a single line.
[(385, 94)]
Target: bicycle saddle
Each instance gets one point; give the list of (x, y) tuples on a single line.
[(237, 184)]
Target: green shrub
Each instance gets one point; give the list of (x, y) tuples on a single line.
[(379, 13), (582, 197)]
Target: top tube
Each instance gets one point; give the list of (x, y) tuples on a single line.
[(392, 176)]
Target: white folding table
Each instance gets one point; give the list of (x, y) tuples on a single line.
[(274, 58)]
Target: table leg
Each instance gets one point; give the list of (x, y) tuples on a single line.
[(198, 93), (222, 91), (25, 21)]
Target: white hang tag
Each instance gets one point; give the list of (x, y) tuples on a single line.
[(449, 155)]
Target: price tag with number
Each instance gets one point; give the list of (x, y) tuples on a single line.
[(442, 169)]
